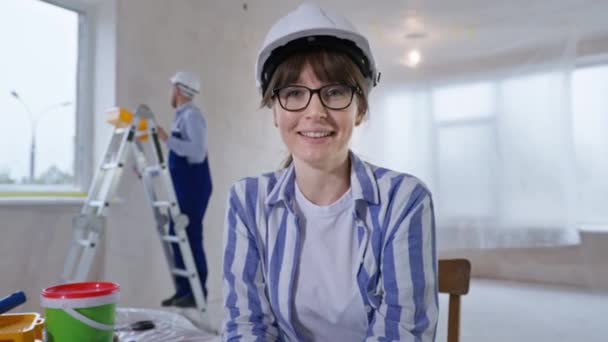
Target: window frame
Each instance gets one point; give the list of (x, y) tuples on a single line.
[(83, 146), (587, 62), (489, 120)]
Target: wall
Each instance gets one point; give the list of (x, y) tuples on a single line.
[(583, 266)]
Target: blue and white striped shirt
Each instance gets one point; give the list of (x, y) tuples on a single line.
[(397, 279)]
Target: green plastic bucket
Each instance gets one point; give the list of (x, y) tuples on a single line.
[(80, 311)]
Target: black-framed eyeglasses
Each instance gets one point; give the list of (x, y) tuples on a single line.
[(295, 98)]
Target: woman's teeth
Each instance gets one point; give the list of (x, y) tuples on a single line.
[(316, 134)]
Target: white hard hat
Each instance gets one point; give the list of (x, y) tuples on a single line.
[(187, 81), (310, 26)]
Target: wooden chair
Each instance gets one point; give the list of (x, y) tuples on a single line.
[(454, 278)]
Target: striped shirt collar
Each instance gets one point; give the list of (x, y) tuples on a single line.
[(362, 181)]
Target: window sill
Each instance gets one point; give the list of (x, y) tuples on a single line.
[(594, 228), (42, 198)]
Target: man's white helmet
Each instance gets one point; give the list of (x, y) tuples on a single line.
[(310, 26), (188, 82)]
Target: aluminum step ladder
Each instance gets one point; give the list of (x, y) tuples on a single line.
[(89, 225)]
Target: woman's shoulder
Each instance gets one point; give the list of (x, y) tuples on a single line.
[(390, 182), (260, 185)]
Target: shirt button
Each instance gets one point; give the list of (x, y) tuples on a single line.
[(368, 309)]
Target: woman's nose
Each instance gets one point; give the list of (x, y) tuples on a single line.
[(315, 107)]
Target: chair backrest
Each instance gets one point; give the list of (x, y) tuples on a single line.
[(454, 279)]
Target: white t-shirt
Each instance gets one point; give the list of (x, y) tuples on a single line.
[(328, 303)]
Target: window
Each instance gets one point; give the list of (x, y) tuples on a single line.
[(523, 151), (466, 149), (536, 151), (590, 122), (464, 102), (39, 97)]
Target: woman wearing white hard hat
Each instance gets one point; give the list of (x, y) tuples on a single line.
[(329, 248)]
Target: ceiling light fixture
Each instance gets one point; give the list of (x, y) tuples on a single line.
[(413, 58)]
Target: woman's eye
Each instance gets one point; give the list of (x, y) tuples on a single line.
[(335, 91), (291, 93)]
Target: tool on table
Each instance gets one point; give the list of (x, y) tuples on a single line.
[(12, 301)]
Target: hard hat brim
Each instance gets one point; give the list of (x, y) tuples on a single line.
[(360, 44), (309, 43)]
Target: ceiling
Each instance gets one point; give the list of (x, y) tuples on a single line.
[(446, 32), (460, 31)]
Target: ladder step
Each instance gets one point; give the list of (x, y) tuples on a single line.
[(154, 169), (182, 273), (83, 242), (97, 204), (162, 204), (110, 166), (170, 238), (121, 130)]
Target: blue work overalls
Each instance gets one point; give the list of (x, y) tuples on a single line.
[(192, 183)]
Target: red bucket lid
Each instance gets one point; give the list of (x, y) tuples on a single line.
[(80, 290)]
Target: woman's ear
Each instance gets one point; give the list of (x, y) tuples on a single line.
[(359, 118)]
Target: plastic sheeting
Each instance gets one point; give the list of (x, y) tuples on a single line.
[(499, 119), (168, 327)]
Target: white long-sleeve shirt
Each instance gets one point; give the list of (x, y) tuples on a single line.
[(395, 231)]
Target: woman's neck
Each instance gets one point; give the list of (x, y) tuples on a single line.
[(325, 185)]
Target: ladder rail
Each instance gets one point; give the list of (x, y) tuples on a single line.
[(161, 219), (116, 174), (87, 231), (86, 259), (180, 220), (71, 259), (96, 183), (89, 225)]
